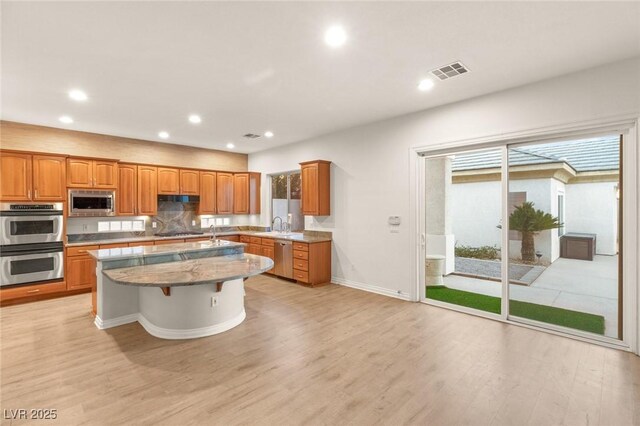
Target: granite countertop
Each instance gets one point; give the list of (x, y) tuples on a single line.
[(191, 272), (300, 237), (164, 249)]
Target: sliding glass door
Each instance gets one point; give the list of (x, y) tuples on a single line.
[(463, 217), (540, 245)]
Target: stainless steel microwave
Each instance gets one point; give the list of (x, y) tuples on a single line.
[(91, 203)]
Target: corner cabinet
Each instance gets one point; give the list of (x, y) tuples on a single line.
[(246, 193), (316, 184), (147, 191)]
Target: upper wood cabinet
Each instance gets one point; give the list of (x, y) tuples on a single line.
[(246, 193), (207, 193), (147, 192), (224, 193), (168, 181), (27, 177), (126, 196), (189, 182), (16, 176), (89, 173), (316, 183), (49, 181)]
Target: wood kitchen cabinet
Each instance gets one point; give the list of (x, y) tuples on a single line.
[(224, 193), (147, 191), (126, 196), (207, 193), (316, 183), (81, 272), (92, 173), (27, 177), (246, 193), (168, 181), (312, 262), (267, 250), (189, 182)]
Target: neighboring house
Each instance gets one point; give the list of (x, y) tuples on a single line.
[(576, 181)]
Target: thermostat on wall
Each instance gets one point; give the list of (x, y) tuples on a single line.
[(394, 220)]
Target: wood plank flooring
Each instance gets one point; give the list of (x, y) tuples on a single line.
[(326, 356)]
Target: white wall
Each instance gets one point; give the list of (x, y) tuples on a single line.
[(370, 171), (592, 208)]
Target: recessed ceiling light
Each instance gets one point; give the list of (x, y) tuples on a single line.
[(66, 119), (78, 95), (335, 36), (195, 119), (268, 134), (163, 135), (426, 84), (230, 145)]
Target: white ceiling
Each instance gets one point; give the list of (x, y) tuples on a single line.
[(252, 67)]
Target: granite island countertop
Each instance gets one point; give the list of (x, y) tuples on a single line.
[(191, 272), (299, 237)]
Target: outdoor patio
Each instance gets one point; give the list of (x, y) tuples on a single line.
[(578, 285)]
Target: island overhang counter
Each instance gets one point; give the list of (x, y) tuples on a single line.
[(175, 291)]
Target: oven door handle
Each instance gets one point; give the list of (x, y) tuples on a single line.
[(8, 253)]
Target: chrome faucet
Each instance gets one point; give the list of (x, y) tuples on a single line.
[(212, 229), (274, 221)]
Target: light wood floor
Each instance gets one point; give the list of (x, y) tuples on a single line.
[(328, 355)]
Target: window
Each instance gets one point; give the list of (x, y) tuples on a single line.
[(516, 199), (561, 229), (286, 199)]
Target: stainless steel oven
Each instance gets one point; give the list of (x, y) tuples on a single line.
[(30, 223), (92, 203), (31, 263)]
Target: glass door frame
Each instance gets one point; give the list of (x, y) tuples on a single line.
[(628, 249)]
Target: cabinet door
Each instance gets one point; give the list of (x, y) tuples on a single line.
[(168, 181), (15, 176), (189, 182), (105, 174), (126, 203), (49, 180), (147, 197), (224, 193), (309, 189), (81, 272), (207, 193), (268, 252), (79, 173), (241, 193)]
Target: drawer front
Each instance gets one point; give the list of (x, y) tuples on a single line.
[(268, 242), (256, 240), (31, 290), (195, 240), (245, 239), (302, 276), (302, 265), (160, 242), (304, 255), (301, 246), (110, 246), (79, 251), (233, 238), (141, 243)]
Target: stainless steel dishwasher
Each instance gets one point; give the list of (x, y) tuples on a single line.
[(283, 259)]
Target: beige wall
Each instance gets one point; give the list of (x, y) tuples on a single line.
[(27, 137)]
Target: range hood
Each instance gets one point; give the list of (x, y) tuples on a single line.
[(180, 198)]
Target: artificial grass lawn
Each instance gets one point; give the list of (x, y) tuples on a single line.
[(564, 317)]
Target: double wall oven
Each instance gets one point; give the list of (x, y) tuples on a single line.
[(31, 243)]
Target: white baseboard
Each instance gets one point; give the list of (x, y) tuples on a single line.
[(173, 334), (370, 288), (114, 322)]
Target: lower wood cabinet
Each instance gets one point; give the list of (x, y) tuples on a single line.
[(234, 238), (31, 291), (312, 262), (267, 250), (81, 272), (161, 242)]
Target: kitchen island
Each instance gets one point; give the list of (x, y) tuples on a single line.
[(175, 291)]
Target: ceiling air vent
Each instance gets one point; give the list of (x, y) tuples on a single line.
[(251, 136), (450, 70)]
